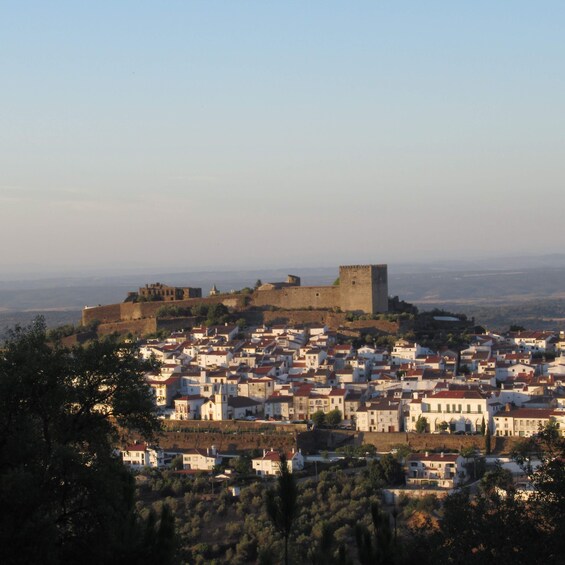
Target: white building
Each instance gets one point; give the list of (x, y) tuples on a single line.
[(216, 407), (458, 410), (444, 470), (269, 465), (201, 459)]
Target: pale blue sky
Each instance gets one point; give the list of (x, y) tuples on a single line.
[(255, 133)]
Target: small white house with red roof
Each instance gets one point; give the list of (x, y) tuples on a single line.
[(269, 465)]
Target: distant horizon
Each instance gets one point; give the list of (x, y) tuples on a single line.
[(31, 272)]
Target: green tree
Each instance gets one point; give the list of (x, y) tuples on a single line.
[(497, 478), (319, 418), (333, 418), (386, 472), (378, 548), (488, 441), (421, 424), (282, 504), (62, 411), (243, 465), (516, 328), (176, 463), (483, 426)]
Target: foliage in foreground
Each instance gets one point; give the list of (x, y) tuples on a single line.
[(65, 497)]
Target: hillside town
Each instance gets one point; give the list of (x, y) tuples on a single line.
[(503, 385)]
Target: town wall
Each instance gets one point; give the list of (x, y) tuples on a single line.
[(128, 311), (109, 313), (298, 297), (137, 327), (434, 442), (305, 317)]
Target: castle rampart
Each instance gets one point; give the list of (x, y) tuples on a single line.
[(127, 311), (362, 288), (298, 297)]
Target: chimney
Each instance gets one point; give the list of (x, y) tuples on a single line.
[(427, 453), (441, 454)]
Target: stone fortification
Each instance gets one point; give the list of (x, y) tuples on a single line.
[(127, 311), (298, 297), (362, 289)]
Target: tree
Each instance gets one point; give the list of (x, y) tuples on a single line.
[(319, 418), (497, 478), (258, 283), (421, 424), (243, 465), (282, 506), (177, 463), (548, 481), (488, 441), (378, 548), (483, 426), (496, 526), (333, 418), (516, 328), (62, 411), (386, 472)]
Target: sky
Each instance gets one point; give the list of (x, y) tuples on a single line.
[(188, 135)]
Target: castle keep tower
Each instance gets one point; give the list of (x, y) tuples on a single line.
[(364, 288)]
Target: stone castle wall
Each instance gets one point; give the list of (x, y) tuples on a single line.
[(298, 317), (137, 327), (131, 311), (362, 288), (104, 314), (298, 297)]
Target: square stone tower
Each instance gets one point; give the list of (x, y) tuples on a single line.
[(364, 288)]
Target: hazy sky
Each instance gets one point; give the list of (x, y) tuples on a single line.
[(256, 133)]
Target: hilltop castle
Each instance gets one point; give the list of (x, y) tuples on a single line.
[(361, 288)]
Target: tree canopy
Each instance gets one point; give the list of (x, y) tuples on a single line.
[(65, 496), (282, 505)]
